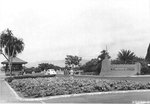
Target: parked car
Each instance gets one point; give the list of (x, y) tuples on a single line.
[(50, 72)]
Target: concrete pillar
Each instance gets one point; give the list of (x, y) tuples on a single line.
[(106, 66)]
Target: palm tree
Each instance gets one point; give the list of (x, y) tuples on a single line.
[(103, 54), (126, 56), (11, 45)]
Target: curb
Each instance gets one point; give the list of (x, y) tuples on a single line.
[(15, 93), (71, 95), (113, 76)]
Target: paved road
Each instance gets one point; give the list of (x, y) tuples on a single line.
[(129, 98), (7, 96)]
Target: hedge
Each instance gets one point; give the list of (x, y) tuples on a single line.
[(41, 87), (9, 79)]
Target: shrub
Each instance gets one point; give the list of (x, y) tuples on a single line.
[(9, 79), (32, 76), (145, 70), (40, 87), (89, 73), (28, 70)]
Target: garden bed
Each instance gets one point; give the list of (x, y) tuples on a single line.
[(42, 87), (9, 79)]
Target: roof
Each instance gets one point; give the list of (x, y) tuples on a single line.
[(15, 60)]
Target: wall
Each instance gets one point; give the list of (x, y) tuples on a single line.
[(119, 70)]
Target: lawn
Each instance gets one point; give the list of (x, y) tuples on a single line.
[(52, 86)]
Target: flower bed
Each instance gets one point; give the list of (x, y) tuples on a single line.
[(41, 87)]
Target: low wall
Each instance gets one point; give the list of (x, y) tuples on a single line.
[(121, 70)]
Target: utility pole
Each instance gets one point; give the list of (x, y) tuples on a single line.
[(106, 52), (106, 47)]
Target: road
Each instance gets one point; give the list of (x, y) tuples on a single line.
[(129, 98), (7, 96)]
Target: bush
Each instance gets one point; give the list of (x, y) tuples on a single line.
[(37, 70), (40, 87), (9, 79), (28, 70), (89, 73), (145, 70)]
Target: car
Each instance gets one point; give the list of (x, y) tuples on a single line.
[(50, 72)]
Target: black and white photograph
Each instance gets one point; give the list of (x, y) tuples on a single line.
[(75, 51)]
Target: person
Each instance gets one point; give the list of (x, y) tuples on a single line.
[(71, 72), (65, 72)]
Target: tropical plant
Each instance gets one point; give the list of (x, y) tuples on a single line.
[(101, 57), (103, 54), (11, 45), (126, 56)]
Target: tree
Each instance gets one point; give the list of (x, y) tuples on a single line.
[(72, 61), (11, 45), (103, 54), (101, 57), (94, 65), (90, 66), (138, 59), (43, 66), (147, 58), (126, 56)]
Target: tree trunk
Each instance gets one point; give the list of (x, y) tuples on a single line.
[(11, 58), (9, 62), (9, 65)]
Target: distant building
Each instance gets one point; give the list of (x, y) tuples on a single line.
[(17, 65)]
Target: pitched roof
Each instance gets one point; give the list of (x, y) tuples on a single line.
[(15, 60)]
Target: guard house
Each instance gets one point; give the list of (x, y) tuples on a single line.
[(17, 65)]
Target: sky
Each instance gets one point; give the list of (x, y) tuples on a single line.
[(52, 29)]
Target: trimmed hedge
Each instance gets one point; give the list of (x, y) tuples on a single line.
[(9, 79), (41, 87)]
